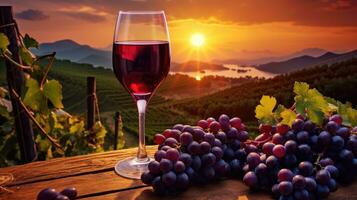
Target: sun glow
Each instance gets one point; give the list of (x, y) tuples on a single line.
[(197, 40), (198, 78)]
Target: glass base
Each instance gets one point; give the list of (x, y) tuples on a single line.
[(132, 167)]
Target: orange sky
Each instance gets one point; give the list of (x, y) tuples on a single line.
[(233, 29)]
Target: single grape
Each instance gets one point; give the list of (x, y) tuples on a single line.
[(203, 124), (298, 125), (289, 160), (324, 138), (285, 175), (337, 142), (178, 127), (188, 128), (310, 184), (290, 135), (343, 132), (323, 177), (205, 147), (304, 149), (235, 165), (146, 178), (251, 148), (217, 143), (70, 192), (198, 134), (265, 128), (179, 167), (154, 167), (159, 139), (326, 161), (282, 129), (299, 182), (186, 159), (160, 154), (208, 159), (194, 148), (302, 137), (167, 133), (186, 138), (301, 195), (278, 139), (217, 152), (214, 127), (220, 167), (165, 148), (261, 170), (210, 120), (232, 133), (331, 127), (236, 123), (221, 136), (209, 137), (285, 187), (309, 126), (275, 190), (172, 154), (346, 155), (169, 178), (240, 154), (165, 165), (306, 168), (253, 160), (182, 181), (332, 185), (48, 193), (158, 186), (243, 136), (268, 148), (250, 179), (272, 162), (322, 191), (171, 142), (332, 170), (337, 119), (196, 163), (290, 146), (224, 122), (190, 173), (279, 151), (176, 134)]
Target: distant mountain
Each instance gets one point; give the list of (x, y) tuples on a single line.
[(71, 50), (305, 61), (193, 66), (308, 52)]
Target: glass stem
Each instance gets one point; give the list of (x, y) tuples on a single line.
[(141, 155)]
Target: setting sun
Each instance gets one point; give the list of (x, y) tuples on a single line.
[(198, 78), (197, 40)]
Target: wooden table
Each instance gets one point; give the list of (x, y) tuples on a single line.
[(94, 177)]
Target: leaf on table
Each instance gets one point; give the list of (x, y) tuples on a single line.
[(53, 91), (33, 96), (311, 102), (4, 42), (30, 42), (264, 111), (288, 116)]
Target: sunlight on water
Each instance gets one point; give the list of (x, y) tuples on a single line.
[(233, 71)]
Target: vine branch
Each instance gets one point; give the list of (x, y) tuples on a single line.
[(53, 141)]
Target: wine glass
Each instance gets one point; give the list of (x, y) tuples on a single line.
[(141, 61)]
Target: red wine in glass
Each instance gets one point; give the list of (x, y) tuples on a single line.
[(140, 66)]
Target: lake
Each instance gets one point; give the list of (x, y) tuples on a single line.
[(233, 71)]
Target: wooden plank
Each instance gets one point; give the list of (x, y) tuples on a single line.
[(85, 184), (223, 190), (69, 166)]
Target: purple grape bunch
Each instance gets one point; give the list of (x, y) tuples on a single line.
[(197, 154)]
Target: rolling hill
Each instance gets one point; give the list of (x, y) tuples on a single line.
[(305, 61), (71, 50)]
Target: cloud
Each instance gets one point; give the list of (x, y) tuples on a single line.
[(85, 13), (32, 15)]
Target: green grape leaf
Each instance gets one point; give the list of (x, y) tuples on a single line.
[(53, 91), (33, 96), (288, 116), (352, 116), (311, 102), (30, 42), (4, 42), (26, 56), (99, 130), (264, 111), (77, 127)]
